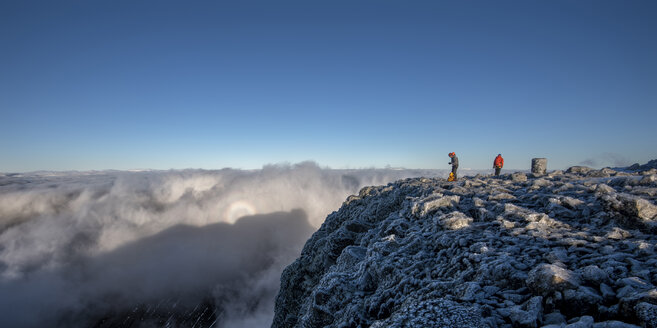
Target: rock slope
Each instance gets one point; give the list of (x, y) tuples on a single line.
[(566, 249)]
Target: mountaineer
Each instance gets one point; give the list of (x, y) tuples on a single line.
[(454, 163), (498, 163)]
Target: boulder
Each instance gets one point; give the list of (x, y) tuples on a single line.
[(647, 314), (630, 306), (594, 275), (518, 177), (579, 169), (603, 189), (554, 318), (439, 201), (583, 322), (639, 207), (455, 220), (598, 174), (636, 211), (608, 293), (648, 180), (528, 315), (548, 278), (618, 234), (582, 300), (649, 172)]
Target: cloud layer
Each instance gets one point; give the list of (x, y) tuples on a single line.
[(79, 249)]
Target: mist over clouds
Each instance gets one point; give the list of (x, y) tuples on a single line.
[(607, 159), (192, 246)]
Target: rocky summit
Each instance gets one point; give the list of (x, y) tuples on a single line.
[(572, 248)]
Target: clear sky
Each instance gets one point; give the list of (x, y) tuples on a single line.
[(349, 84)]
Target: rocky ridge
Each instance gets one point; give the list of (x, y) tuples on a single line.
[(565, 249), (645, 167)]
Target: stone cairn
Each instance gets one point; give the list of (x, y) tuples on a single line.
[(539, 166)]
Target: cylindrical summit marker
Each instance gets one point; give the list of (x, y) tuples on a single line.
[(539, 165)]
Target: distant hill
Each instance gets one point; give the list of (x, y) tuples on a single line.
[(645, 167)]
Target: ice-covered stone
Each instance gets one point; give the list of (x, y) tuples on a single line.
[(603, 173), (455, 220), (647, 314), (648, 180), (628, 305), (618, 234), (636, 206), (528, 315), (634, 282), (519, 177), (603, 188), (579, 169), (545, 279), (632, 210), (593, 274), (583, 322), (433, 204), (644, 209), (501, 196), (554, 318), (581, 300), (607, 292)]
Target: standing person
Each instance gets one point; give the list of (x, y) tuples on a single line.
[(454, 163), (498, 163)]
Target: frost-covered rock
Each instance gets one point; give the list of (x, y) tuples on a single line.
[(633, 210), (647, 314), (572, 249), (528, 315), (518, 177), (579, 169), (594, 275), (583, 322), (549, 278)]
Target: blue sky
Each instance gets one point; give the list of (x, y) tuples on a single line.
[(349, 84)]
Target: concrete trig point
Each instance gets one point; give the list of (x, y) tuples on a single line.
[(539, 165)]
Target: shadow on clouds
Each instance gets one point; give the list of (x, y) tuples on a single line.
[(221, 273)]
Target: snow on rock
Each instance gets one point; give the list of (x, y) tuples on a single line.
[(566, 249), (579, 169), (545, 279)]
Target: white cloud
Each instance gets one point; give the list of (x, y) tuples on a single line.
[(77, 246)]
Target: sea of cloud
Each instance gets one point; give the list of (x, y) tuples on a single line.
[(78, 247)]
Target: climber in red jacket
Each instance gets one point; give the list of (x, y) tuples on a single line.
[(498, 163)]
